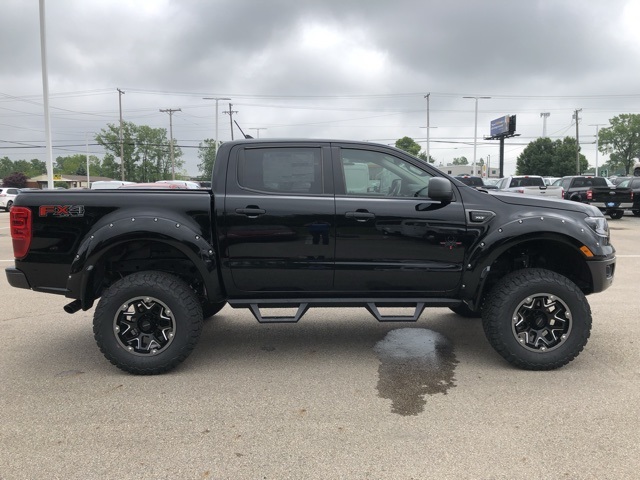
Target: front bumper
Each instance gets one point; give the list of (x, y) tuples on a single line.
[(602, 272)]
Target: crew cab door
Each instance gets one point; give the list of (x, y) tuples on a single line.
[(278, 230), (390, 237)]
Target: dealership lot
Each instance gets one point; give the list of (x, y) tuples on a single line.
[(320, 399)]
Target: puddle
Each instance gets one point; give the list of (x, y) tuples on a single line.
[(414, 362)]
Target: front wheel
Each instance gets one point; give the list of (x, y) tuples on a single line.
[(616, 214), (148, 322), (537, 319)]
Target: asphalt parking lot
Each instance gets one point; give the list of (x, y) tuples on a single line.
[(320, 399)]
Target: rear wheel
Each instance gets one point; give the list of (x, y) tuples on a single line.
[(537, 319), (148, 322), (616, 214), (636, 212), (9, 205)]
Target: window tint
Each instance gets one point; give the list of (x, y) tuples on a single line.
[(281, 170), (380, 174)]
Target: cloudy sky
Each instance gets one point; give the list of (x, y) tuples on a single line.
[(318, 69)]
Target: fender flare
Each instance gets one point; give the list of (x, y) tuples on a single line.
[(120, 231), (527, 229)]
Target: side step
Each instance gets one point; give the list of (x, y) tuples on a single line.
[(373, 306)]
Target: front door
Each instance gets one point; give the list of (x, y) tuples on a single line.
[(390, 237)]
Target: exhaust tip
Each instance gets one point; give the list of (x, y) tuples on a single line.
[(73, 307)]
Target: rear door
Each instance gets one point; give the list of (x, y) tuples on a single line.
[(278, 230), (390, 237)]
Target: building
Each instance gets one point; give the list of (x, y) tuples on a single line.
[(72, 181), (481, 170)]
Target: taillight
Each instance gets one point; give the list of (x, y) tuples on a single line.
[(589, 195), (20, 221)]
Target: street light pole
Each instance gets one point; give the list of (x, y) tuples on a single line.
[(120, 93), (258, 130), (597, 125), (428, 127), (544, 116), (475, 132), (217, 99)]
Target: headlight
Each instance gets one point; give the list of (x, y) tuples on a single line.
[(598, 225)]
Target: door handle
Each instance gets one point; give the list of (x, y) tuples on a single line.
[(251, 212), (360, 215)]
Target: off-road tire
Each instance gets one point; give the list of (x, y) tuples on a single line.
[(515, 319), (148, 322)]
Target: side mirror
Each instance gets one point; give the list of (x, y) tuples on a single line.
[(440, 189)]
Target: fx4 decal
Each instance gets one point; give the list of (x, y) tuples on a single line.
[(61, 211)]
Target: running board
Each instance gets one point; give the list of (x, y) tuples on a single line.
[(373, 307)]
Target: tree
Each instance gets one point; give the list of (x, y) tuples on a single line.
[(409, 145), (460, 161), (207, 154), (550, 158), (423, 156), (15, 179), (145, 150), (622, 140)]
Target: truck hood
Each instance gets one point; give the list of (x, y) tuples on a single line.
[(543, 202)]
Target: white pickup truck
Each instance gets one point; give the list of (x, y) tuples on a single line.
[(530, 185)]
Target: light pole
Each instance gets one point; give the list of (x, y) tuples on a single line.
[(597, 125), (217, 99), (544, 116), (428, 127), (120, 93), (475, 131), (173, 163), (258, 130)]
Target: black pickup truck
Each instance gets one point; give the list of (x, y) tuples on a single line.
[(311, 223), (611, 200)]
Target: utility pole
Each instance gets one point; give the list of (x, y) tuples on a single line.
[(45, 95), (173, 163), (575, 116), (231, 112), (475, 132), (258, 130), (217, 99), (86, 139), (597, 125), (544, 116), (428, 126), (120, 93)]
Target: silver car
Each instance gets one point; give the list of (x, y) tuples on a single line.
[(7, 196)]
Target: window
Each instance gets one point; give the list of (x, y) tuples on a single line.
[(379, 174), (281, 170)]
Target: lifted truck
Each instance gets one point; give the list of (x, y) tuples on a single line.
[(289, 224)]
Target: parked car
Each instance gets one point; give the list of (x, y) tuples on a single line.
[(550, 180), (612, 201), (7, 196), (184, 183), (156, 185), (477, 182), (109, 184), (618, 180), (634, 184), (530, 185)]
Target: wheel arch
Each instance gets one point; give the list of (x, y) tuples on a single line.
[(506, 250), (126, 246)]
